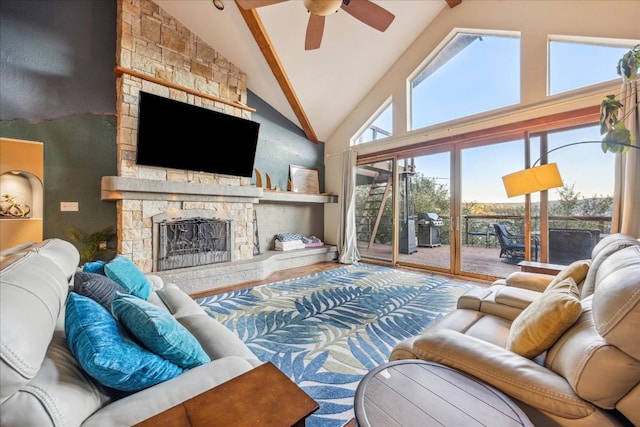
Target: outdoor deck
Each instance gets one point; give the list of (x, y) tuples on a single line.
[(476, 259)]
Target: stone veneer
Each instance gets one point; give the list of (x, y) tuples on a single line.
[(153, 43)]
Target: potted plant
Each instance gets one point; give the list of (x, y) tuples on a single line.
[(94, 246), (616, 137)]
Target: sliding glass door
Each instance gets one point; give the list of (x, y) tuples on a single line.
[(485, 210), (425, 211), (450, 212), (578, 214)]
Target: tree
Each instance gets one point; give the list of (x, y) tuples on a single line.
[(430, 196), (570, 203)]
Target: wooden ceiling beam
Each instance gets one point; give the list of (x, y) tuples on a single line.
[(453, 3), (264, 43)]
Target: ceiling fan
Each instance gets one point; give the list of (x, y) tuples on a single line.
[(363, 10)]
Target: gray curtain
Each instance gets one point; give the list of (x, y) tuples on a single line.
[(627, 188), (347, 232)]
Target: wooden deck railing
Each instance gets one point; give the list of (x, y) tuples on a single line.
[(480, 225)]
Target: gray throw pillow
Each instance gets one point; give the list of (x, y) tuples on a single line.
[(99, 288)]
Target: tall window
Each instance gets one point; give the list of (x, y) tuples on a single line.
[(575, 64), (381, 126), (472, 74)]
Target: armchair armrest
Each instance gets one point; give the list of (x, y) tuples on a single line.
[(533, 281), (517, 376), (516, 297)]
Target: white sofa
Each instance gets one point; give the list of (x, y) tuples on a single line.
[(587, 374), (42, 384)]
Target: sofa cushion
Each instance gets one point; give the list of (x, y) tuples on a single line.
[(123, 271), (32, 295), (577, 270), (545, 319), (94, 267), (616, 300), (106, 353), (158, 331), (99, 288)]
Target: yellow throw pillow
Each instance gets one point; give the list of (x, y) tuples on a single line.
[(539, 325), (577, 270)]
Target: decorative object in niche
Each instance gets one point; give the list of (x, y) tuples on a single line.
[(21, 191), (10, 207), (304, 180)]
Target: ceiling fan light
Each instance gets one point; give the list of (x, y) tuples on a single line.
[(218, 4), (322, 7)]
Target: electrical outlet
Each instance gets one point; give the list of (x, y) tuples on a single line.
[(103, 245), (68, 206)]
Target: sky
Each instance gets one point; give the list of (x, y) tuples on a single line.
[(494, 83)]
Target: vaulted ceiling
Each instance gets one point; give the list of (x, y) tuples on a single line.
[(315, 89)]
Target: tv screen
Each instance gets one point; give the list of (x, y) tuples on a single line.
[(177, 135)]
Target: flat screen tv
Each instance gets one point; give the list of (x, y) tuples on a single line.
[(177, 135)]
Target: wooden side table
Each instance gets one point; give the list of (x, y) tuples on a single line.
[(540, 267), (417, 392), (263, 396)]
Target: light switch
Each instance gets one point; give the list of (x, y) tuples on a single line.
[(68, 206)]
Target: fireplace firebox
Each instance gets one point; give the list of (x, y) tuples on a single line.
[(193, 242)]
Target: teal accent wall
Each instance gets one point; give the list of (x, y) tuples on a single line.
[(281, 143), (57, 86), (78, 151)]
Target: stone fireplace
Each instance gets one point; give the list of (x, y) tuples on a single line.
[(157, 54), (144, 204)]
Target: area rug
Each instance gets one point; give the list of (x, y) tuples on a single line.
[(327, 330)]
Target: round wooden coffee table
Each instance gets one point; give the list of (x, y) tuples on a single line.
[(420, 393)]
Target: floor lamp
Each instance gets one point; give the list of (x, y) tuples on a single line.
[(543, 177)]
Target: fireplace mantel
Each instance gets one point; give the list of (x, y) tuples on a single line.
[(124, 188)]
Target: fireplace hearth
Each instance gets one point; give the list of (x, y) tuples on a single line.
[(193, 242)]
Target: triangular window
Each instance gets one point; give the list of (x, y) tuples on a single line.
[(380, 126)]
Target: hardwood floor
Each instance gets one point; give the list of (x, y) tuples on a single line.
[(275, 277), (303, 271)]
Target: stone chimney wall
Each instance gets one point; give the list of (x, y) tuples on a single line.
[(153, 43)]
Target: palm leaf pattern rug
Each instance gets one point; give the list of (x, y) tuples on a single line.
[(327, 330)]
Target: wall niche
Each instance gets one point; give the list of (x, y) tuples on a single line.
[(21, 192)]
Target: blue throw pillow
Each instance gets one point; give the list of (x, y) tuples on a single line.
[(94, 267), (99, 288), (158, 331), (123, 271), (106, 353)]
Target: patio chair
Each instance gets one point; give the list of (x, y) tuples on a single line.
[(512, 246)]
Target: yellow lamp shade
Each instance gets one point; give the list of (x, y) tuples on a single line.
[(532, 180)]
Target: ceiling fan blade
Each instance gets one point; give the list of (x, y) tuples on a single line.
[(369, 13), (315, 28), (252, 4)]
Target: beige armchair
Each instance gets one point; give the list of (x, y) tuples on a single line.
[(567, 351)]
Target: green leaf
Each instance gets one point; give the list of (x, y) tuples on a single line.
[(629, 64), (614, 139), (609, 109)]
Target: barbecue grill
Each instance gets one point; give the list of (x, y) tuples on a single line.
[(429, 229)]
